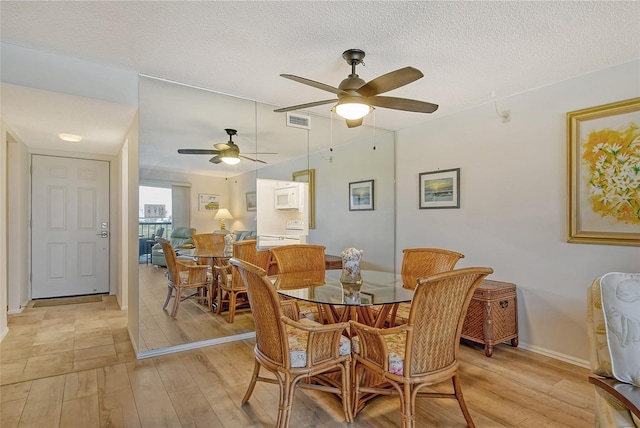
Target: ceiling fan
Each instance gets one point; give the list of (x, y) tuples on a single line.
[(228, 152), (356, 98)]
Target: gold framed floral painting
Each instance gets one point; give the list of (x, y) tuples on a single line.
[(604, 174)]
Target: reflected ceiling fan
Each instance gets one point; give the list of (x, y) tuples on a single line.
[(356, 98), (228, 152)]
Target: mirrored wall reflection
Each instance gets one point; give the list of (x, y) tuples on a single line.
[(175, 116)]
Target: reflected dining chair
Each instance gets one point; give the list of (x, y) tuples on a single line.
[(294, 351), (424, 351), (302, 258), (185, 275), (209, 241), (420, 263), (231, 289)]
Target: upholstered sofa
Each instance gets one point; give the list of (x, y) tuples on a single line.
[(180, 238), (613, 327)]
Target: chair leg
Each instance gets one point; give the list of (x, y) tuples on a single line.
[(287, 390), (232, 306), (169, 292), (358, 372), (346, 393), (252, 384), (463, 406), (220, 300), (176, 304), (408, 418)]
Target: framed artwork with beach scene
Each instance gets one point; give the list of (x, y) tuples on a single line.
[(439, 189)]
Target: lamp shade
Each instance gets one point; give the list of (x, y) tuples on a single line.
[(222, 215)]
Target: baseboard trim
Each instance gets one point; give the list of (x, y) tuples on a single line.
[(15, 311), (195, 345), (4, 333), (555, 355)]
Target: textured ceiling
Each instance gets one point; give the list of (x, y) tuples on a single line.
[(470, 52)]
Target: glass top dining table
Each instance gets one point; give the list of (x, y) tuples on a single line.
[(369, 302)]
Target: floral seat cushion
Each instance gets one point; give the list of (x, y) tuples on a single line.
[(395, 345), (184, 276), (298, 344)]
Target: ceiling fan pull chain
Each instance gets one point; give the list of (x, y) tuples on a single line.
[(374, 130), (331, 132)]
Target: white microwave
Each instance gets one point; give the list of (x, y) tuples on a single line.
[(287, 198)]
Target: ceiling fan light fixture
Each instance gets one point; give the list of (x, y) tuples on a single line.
[(352, 109), (230, 158)]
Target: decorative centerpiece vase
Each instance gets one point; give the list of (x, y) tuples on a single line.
[(351, 258), (229, 239)]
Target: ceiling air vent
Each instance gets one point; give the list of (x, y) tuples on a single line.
[(298, 120)]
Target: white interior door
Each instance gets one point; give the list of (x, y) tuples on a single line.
[(70, 227)]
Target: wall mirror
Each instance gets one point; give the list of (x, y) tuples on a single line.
[(175, 116)]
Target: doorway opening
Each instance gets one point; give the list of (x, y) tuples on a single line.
[(154, 219)]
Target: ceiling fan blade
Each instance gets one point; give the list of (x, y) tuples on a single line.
[(315, 84), (389, 81), (307, 105), (255, 160), (354, 123), (198, 151), (403, 104), (215, 159)]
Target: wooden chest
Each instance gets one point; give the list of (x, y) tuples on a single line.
[(492, 317)]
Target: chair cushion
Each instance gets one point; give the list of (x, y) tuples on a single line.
[(184, 276), (298, 344), (621, 307), (395, 345)]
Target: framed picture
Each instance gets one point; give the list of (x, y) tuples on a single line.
[(251, 201), (308, 176), (604, 174), (208, 202), (154, 211), (366, 298), (439, 189), (361, 196)]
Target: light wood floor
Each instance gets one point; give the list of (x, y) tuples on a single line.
[(194, 322), (73, 366)]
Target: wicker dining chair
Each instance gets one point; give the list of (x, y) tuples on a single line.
[(298, 257), (420, 263), (422, 352), (294, 351), (209, 241), (231, 290), (185, 275), (301, 258)]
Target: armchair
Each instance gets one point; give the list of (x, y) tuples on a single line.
[(421, 353), (613, 327), (181, 237)]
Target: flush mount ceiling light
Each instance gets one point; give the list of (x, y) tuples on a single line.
[(356, 98), (72, 138)]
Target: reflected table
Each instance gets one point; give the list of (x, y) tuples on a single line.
[(215, 258), (368, 303)]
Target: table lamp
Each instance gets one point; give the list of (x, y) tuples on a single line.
[(222, 215)]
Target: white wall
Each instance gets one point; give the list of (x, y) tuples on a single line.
[(18, 216), (4, 176), (514, 199), (130, 233)]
